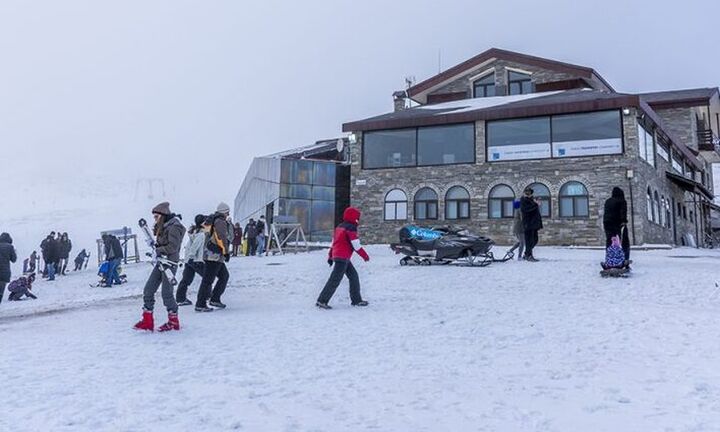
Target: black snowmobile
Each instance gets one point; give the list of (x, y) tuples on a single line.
[(445, 245)]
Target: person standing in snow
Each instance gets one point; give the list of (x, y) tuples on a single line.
[(217, 253), (237, 239), (113, 255), (80, 259), (345, 242), (251, 236), (7, 256), (615, 220), (260, 227), (518, 229), (44, 251), (169, 233), (65, 246), (52, 254), (532, 222), (194, 250)]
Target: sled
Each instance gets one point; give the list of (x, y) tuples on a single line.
[(615, 272)]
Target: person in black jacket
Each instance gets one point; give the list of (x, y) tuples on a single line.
[(251, 234), (7, 256), (532, 222), (51, 256), (615, 220), (65, 246)]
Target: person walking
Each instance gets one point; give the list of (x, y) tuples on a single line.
[(194, 251), (65, 246), (345, 242), (251, 236), (532, 222), (237, 239), (169, 233), (80, 259), (7, 256), (217, 253), (615, 220)]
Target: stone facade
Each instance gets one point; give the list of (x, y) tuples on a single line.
[(599, 174)]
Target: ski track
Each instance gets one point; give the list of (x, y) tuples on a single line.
[(546, 346)]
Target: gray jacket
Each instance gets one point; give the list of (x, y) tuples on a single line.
[(217, 240), (169, 240), (518, 228), (195, 247)]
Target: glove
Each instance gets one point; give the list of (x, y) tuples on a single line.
[(363, 254), (227, 257), (330, 262)]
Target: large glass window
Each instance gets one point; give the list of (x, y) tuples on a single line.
[(300, 191), (324, 174), (656, 209), (542, 193), (518, 139), (325, 193), (586, 134), (574, 200), (500, 202), (396, 205), (426, 204), (649, 204), (446, 144), (519, 83), (322, 222), (389, 148), (457, 203), (677, 165), (485, 86), (646, 141)]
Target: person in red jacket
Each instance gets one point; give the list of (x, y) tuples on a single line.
[(345, 242)]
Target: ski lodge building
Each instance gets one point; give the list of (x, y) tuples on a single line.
[(478, 133)]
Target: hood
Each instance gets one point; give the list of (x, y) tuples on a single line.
[(351, 215), (618, 193), (5, 238)]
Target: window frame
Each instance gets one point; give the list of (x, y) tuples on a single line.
[(426, 203), (457, 203), (519, 82), (395, 204), (475, 85), (502, 201), (575, 199)]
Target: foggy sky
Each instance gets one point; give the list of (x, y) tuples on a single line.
[(193, 90)]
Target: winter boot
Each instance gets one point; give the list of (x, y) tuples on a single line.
[(323, 305), (361, 303), (172, 324), (185, 302), (217, 304), (147, 322)]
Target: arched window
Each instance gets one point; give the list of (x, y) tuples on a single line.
[(662, 210), (500, 202), (457, 203), (656, 208), (574, 200), (542, 193), (668, 213), (396, 205), (426, 204), (649, 204)]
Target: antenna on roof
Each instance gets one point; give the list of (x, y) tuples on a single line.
[(409, 81)]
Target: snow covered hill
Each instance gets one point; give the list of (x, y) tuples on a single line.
[(518, 346)]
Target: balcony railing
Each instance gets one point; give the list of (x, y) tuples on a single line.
[(708, 141)]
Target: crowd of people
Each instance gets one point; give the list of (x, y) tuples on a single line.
[(213, 239)]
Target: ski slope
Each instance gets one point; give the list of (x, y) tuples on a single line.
[(547, 346)]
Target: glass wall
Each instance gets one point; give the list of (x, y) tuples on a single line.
[(586, 134), (307, 193), (435, 145)]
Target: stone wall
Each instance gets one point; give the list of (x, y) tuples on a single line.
[(599, 174)]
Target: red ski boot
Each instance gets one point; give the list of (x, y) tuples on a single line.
[(147, 322), (172, 324)]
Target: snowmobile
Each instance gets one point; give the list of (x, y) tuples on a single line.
[(444, 245)]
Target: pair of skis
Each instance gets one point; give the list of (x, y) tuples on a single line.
[(164, 264)]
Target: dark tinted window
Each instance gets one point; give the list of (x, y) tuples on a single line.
[(586, 127), (519, 83), (446, 144), (484, 86), (389, 148), (514, 132)]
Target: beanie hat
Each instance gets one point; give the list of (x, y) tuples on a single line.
[(223, 208), (163, 208)]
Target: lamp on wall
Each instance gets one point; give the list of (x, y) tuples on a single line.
[(630, 174), (352, 138)]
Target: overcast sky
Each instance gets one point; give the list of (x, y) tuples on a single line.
[(179, 89)]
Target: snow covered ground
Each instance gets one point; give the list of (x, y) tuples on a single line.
[(546, 346)]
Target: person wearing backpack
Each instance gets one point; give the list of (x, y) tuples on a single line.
[(217, 253)]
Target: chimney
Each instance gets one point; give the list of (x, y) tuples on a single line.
[(399, 98)]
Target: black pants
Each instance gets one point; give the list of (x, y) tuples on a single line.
[(341, 268), (191, 267), (252, 246), (531, 240), (611, 232), (213, 269), (2, 290), (78, 265)]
